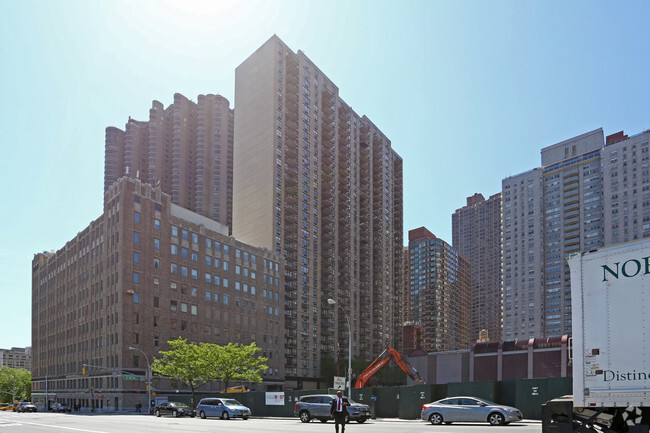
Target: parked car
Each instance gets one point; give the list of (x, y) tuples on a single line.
[(318, 406), (225, 408), (60, 407), (25, 406), (8, 407), (173, 408), (469, 409)]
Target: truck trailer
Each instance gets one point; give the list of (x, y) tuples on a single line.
[(610, 354)]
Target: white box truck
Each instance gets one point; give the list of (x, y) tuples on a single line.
[(610, 302)]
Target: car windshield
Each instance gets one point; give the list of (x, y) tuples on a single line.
[(181, 405), (232, 402)]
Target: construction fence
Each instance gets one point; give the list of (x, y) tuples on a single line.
[(406, 402)]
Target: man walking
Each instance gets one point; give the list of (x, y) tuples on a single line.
[(339, 411)]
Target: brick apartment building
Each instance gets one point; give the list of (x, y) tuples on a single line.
[(145, 272)]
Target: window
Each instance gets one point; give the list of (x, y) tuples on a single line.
[(195, 238), (225, 299), (194, 310), (226, 249), (136, 217), (136, 298), (156, 263), (173, 306), (185, 235), (174, 249), (183, 307), (136, 257), (174, 231), (174, 268), (208, 295), (156, 224), (156, 302), (156, 244), (136, 278), (136, 237)]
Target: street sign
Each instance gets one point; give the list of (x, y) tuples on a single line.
[(339, 382), (130, 378)]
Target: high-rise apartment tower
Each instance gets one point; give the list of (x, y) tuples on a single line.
[(590, 192), (476, 234), (185, 149), (439, 306), (321, 185)]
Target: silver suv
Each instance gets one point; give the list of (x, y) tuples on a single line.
[(318, 406)]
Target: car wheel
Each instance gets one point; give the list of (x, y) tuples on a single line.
[(244, 418), (225, 415), (174, 414), (435, 418), (202, 415), (361, 420), (157, 413), (304, 416), (496, 418)]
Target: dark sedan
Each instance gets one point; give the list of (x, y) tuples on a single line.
[(173, 408)]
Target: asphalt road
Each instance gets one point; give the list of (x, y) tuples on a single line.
[(129, 423)]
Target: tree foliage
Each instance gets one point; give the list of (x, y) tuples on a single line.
[(197, 364), (23, 381), (237, 362)]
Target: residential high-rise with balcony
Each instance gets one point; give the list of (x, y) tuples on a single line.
[(439, 306), (476, 234), (186, 149), (590, 192), (321, 185)]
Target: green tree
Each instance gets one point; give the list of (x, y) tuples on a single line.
[(236, 362), (185, 362), (197, 364), (21, 378)]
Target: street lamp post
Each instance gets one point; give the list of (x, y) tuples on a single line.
[(333, 302), (148, 377)]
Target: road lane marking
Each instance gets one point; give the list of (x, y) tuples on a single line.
[(60, 427)]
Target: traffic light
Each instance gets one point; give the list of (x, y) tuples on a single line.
[(83, 371)]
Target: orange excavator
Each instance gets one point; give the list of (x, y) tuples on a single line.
[(384, 359)]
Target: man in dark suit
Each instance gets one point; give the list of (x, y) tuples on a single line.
[(339, 411)]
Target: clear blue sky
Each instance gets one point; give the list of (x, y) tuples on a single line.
[(467, 91)]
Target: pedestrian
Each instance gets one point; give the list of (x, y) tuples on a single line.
[(339, 411)]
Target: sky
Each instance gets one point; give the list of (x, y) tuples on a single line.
[(468, 92)]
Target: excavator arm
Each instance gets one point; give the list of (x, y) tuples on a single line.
[(382, 360)]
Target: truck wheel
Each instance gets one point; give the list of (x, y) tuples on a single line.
[(304, 416), (496, 419)]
